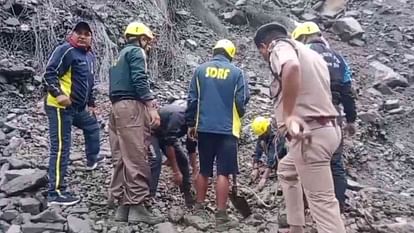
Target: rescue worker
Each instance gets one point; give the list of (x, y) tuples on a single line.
[(69, 80), (133, 112), (303, 108), (341, 88), (266, 143), (166, 139), (216, 102)]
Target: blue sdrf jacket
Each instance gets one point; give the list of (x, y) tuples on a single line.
[(70, 71), (217, 98)]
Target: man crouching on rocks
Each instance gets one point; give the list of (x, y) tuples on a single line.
[(133, 113), (69, 80), (166, 139)]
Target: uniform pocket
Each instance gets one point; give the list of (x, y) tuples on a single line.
[(128, 114)]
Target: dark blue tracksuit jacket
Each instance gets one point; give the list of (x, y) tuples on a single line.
[(217, 98), (341, 78)]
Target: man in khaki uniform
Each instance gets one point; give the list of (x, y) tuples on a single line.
[(303, 109)]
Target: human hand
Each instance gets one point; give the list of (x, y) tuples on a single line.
[(192, 133), (178, 178), (155, 118), (64, 100), (297, 128)]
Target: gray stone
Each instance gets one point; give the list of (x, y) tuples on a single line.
[(13, 147), (42, 227), (76, 156), (309, 17), (11, 116), (79, 210), (409, 57), (405, 227), (4, 202), (9, 215), (165, 227), (348, 28), (77, 225), (241, 3), (391, 104), (3, 136), (30, 205), (371, 116), (18, 164), (12, 22), (399, 110), (49, 216), (197, 222), (3, 80), (191, 44), (4, 226), (11, 174), (176, 214), (25, 183), (236, 17), (191, 229), (387, 75), (192, 61), (353, 185), (14, 229), (383, 89)]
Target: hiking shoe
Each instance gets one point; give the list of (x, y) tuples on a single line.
[(224, 222), (121, 214), (138, 213), (64, 200), (100, 159), (200, 211)]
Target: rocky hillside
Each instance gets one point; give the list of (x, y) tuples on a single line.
[(376, 37)]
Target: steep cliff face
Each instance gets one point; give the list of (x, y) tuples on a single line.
[(375, 36)]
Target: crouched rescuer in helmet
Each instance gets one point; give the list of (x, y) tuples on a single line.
[(133, 113), (303, 108), (310, 34), (165, 138), (270, 143), (217, 100), (69, 79)]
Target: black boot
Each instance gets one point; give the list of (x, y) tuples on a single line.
[(121, 214), (138, 213)]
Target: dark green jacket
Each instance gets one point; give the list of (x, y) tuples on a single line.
[(129, 78)]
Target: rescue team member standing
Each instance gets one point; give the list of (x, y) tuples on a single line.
[(69, 79), (301, 90), (216, 101), (132, 114), (341, 88), (274, 148), (166, 139)]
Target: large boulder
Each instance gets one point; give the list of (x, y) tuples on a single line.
[(348, 28)]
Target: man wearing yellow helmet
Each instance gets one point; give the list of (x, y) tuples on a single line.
[(216, 101), (266, 143), (341, 88), (303, 108), (133, 112)]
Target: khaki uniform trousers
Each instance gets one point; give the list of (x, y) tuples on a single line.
[(129, 135), (309, 166)]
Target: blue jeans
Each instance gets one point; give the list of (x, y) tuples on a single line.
[(338, 173), (60, 128), (156, 164)]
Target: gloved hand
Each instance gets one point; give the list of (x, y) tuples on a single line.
[(64, 100)]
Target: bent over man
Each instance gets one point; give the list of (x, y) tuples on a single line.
[(132, 114), (69, 79), (302, 105), (216, 102), (166, 139), (341, 88)]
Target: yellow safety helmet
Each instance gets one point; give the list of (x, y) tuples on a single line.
[(306, 28), (227, 45), (138, 29), (260, 125)]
